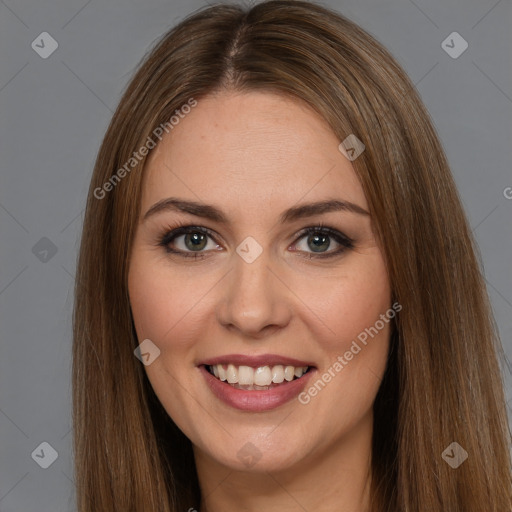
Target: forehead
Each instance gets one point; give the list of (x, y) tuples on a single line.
[(249, 149)]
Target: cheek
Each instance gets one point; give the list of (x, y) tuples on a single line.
[(351, 318), (357, 306), (168, 310), (166, 306), (341, 306)]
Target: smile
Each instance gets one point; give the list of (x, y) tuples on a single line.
[(256, 383)]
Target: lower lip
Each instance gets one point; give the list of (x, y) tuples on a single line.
[(255, 401)]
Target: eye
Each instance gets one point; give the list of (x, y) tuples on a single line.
[(189, 241), (196, 241), (322, 242)]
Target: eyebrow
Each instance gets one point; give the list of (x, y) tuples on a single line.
[(213, 213)]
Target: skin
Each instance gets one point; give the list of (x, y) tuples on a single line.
[(253, 155)]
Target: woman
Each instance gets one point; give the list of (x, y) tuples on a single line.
[(273, 231)]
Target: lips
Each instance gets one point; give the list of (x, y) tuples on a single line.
[(247, 395), (255, 361)]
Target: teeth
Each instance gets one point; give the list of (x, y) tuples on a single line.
[(232, 374), (245, 375), (278, 374), (262, 376), (222, 373), (289, 372), (256, 378)]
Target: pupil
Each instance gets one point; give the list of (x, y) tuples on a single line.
[(195, 241), (319, 242)]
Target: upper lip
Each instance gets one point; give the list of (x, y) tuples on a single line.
[(255, 361)]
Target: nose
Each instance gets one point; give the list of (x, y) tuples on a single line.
[(254, 301)]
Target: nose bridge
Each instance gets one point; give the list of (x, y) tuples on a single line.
[(252, 298)]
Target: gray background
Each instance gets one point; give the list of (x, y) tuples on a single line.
[(54, 113)]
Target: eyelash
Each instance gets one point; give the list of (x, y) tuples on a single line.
[(345, 242)]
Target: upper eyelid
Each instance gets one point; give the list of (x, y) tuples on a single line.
[(184, 230)]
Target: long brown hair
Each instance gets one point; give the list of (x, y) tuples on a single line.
[(442, 382)]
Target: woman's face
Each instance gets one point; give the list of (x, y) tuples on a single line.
[(275, 265)]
